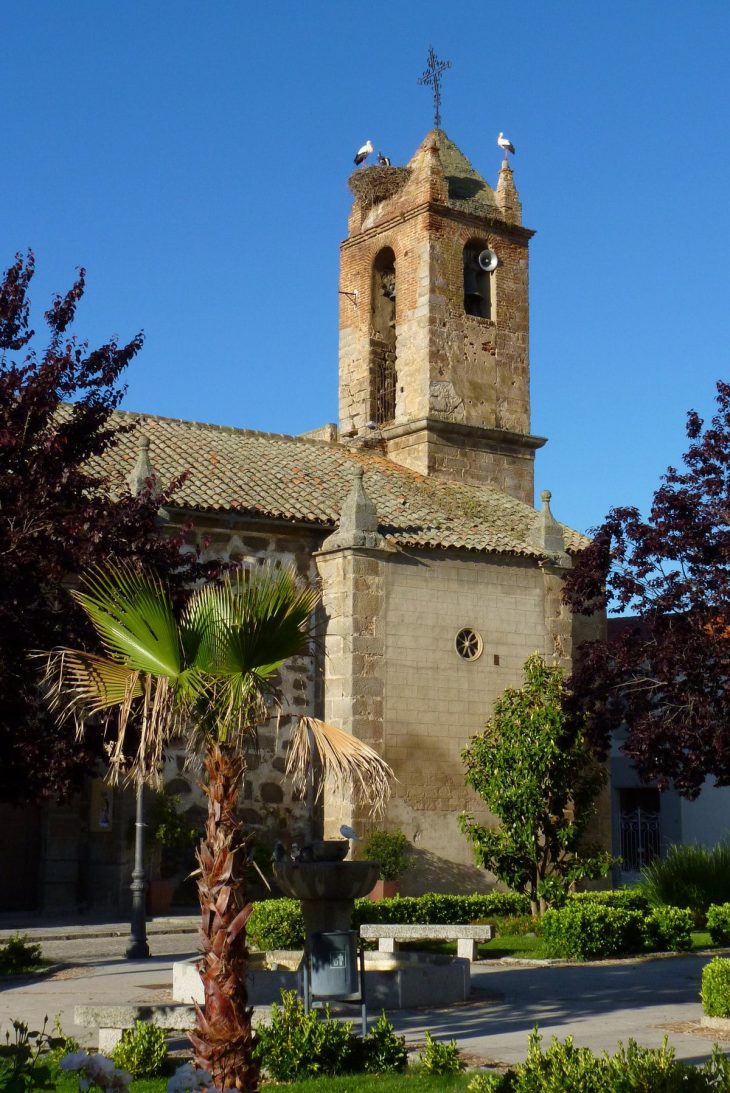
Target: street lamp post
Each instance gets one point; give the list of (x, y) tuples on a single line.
[(137, 947)]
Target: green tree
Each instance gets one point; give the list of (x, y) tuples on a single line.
[(533, 769), (206, 671)]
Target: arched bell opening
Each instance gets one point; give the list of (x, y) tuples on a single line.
[(383, 339), (477, 279)]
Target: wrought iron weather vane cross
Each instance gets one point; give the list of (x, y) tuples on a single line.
[(432, 77)]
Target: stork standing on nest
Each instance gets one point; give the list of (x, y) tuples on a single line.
[(505, 145), (383, 161), (363, 153)]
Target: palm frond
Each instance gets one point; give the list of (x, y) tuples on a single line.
[(348, 764), (251, 623), (133, 615), (82, 684)]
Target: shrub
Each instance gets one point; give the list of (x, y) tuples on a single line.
[(565, 1068), (18, 954), (668, 929), (589, 931), (390, 850), (142, 1050), (718, 923), (384, 1052), (297, 1045), (489, 1083), (517, 925), (633, 899), (436, 908), (438, 1058), (692, 877), (715, 991), (276, 924)]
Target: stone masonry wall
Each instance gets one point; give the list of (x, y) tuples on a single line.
[(353, 604), (266, 798), (434, 700)]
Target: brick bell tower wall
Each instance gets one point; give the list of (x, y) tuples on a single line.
[(462, 390)]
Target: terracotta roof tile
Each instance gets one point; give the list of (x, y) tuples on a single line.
[(300, 479)]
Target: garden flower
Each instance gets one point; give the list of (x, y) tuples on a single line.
[(75, 1061), (96, 1070), (187, 1079)]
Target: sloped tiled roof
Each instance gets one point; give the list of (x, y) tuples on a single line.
[(303, 480)]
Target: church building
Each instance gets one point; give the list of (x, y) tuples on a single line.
[(414, 514)]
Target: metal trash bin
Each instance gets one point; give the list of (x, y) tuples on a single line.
[(334, 962)]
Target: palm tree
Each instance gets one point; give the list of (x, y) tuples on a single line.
[(207, 672)]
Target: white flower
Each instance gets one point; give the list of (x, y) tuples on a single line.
[(187, 1079), (76, 1061)]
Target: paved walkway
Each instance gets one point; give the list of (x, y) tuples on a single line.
[(598, 1004)]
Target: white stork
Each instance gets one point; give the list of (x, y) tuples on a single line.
[(364, 152), (505, 145), (383, 161)]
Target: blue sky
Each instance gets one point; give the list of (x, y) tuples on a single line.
[(194, 157)]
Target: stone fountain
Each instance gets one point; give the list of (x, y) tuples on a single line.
[(327, 886)]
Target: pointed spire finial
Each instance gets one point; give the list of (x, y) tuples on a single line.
[(548, 533), (358, 519), (508, 199), (142, 472)]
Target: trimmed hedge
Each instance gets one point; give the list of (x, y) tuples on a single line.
[(632, 899), (595, 931), (436, 908), (278, 923), (668, 929), (590, 926), (590, 931), (715, 991), (718, 923)]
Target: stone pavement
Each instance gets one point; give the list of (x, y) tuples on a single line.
[(598, 1004)]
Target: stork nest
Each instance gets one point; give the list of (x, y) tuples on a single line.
[(371, 185)]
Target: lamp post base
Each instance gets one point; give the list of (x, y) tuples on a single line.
[(137, 949)]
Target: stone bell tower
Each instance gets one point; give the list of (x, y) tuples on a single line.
[(434, 320)]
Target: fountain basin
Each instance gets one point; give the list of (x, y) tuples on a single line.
[(336, 880), (392, 981), (326, 890)]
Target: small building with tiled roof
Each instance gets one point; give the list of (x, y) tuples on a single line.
[(414, 513)]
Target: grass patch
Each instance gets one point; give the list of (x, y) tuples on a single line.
[(516, 945), (412, 1081), (40, 967), (70, 1084)]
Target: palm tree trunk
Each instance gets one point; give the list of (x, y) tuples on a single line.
[(223, 1040)]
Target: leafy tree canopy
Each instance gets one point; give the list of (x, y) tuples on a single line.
[(666, 677), (534, 770), (57, 517)]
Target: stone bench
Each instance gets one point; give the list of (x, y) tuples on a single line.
[(112, 1020), (389, 936)]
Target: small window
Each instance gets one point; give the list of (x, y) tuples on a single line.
[(468, 644), (477, 282)]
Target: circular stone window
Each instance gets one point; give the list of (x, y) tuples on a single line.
[(468, 644)]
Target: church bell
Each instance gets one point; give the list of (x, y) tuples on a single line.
[(471, 284)]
